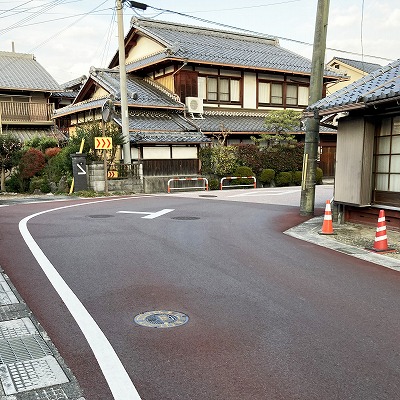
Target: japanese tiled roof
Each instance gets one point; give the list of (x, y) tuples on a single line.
[(149, 93), (242, 122), (224, 48), (150, 126), (25, 134), (170, 137), (231, 121), (379, 86), (74, 83), (70, 88), (90, 104), (20, 71), (361, 65)]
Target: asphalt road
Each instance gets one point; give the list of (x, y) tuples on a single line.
[(270, 316)]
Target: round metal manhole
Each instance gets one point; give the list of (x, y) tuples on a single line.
[(101, 216), (161, 319), (185, 218)]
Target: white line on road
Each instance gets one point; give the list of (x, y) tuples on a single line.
[(266, 193), (114, 372), (149, 215)]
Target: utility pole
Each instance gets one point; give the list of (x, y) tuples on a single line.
[(312, 124), (122, 84)]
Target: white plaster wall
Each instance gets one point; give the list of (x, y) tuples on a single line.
[(184, 152), (144, 47), (250, 90), (156, 153)]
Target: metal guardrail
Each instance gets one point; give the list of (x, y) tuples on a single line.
[(205, 187), (254, 184)]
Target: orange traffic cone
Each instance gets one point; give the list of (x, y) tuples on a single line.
[(381, 241), (327, 227)]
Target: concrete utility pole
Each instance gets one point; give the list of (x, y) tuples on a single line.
[(122, 84), (312, 124)]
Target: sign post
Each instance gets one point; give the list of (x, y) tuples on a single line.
[(79, 171), (105, 143)]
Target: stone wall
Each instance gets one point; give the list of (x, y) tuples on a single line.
[(147, 184)]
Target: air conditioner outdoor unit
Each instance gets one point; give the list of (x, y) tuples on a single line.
[(194, 105)]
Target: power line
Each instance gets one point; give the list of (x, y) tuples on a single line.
[(242, 8), (37, 13), (260, 34)]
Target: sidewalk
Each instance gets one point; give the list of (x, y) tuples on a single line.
[(30, 365), (361, 237)]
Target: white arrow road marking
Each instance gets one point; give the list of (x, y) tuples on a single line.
[(149, 215), (114, 372), (82, 171)]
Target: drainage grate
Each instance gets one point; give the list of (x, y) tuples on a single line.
[(161, 319), (185, 218), (16, 328), (101, 216), (22, 348), (7, 296), (30, 375)]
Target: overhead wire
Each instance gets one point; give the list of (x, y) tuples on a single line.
[(11, 9), (108, 40), (260, 34), (48, 6)]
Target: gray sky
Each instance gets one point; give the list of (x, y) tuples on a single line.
[(69, 36)]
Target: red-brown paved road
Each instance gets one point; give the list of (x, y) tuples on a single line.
[(270, 317)]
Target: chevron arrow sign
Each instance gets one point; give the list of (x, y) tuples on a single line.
[(103, 143)]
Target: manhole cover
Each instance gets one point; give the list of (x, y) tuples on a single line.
[(161, 319), (185, 218), (100, 216)]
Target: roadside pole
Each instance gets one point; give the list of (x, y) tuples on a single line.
[(312, 124), (122, 80), (103, 131)]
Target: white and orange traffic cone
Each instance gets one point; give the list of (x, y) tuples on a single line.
[(381, 240), (327, 227)]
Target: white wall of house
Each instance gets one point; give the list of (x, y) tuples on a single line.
[(184, 152), (156, 153), (143, 48), (352, 73), (249, 90)]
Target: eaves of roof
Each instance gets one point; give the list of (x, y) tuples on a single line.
[(22, 72), (220, 48), (168, 138), (382, 85)]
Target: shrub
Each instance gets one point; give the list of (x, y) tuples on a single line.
[(242, 171), (31, 163), (38, 183), (213, 184), (267, 176), (318, 176), (250, 155), (41, 143), (223, 160), (51, 152), (284, 178), (13, 183), (297, 175)]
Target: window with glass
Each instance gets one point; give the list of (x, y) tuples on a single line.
[(272, 93), (217, 89), (387, 156)]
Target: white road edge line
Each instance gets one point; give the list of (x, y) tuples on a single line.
[(118, 380)]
